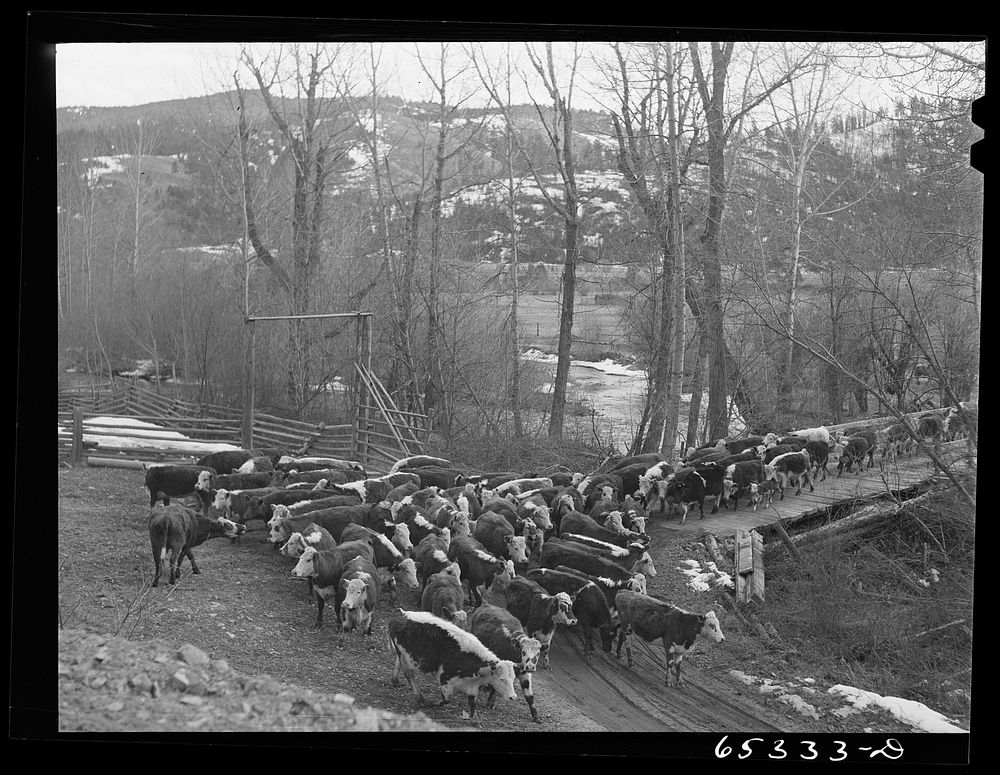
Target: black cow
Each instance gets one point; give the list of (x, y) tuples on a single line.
[(650, 619), (739, 477), (740, 445), (165, 482), (478, 565), (175, 530), (431, 555), (819, 456), (227, 461), (855, 450)]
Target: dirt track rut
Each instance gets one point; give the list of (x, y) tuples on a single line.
[(623, 699)]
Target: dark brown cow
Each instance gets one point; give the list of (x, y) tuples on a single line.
[(175, 530)]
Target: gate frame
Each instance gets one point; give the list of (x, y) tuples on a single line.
[(362, 354)]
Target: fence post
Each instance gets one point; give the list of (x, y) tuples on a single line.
[(248, 386), (76, 456)]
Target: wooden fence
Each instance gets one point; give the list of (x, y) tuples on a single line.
[(201, 423)]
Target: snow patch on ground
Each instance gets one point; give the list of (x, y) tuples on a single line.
[(138, 433), (911, 712), (702, 578)]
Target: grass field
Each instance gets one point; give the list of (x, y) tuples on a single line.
[(597, 328)]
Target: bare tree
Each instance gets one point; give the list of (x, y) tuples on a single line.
[(307, 122)]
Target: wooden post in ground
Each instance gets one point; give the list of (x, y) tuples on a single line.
[(363, 356), (76, 456), (248, 386)]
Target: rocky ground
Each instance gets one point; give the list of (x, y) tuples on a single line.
[(109, 684)]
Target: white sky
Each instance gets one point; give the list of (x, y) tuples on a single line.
[(119, 74)]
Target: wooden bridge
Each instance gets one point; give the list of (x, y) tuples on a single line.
[(901, 475)]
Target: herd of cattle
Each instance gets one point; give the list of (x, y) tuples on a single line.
[(527, 553)]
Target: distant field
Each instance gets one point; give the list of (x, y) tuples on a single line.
[(596, 327)]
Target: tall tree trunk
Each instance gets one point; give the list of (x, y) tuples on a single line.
[(679, 280), (697, 389), (568, 301)]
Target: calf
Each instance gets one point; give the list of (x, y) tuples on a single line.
[(590, 605), (443, 595), (612, 532), (633, 558), (334, 519), (646, 459), (778, 449), (502, 633), (431, 555), (534, 508), (930, 427), (401, 492), (763, 493), (242, 481), (518, 486), (311, 535), (609, 587), (422, 641), (814, 434), (855, 450), (477, 564), (743, 457), (497, 535), (795, 443), (386, 554), (741, 445), (332, 476), (650, 619), (538, 611), (419, 461), (324, 569), (165, 482), (793, 468), (287, 463), (740, 476), (357, 595), (227, 461), (418, 525), (819, 456), (256, 465), (175, 530), (433, 476), (233, 503), (686, 492), (556, 552), (566, 480)]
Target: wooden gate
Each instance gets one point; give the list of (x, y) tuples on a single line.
[(383, 433)]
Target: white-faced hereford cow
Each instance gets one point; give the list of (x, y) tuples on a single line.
[(502, 633), (459, 661), (325, 569), (357, 595), (650, 619), (538, 611), (590, 606), (793, 468), (175, 530)]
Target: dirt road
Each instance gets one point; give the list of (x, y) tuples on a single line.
[(622, 699)]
